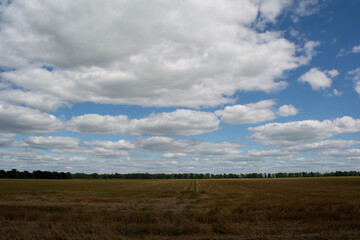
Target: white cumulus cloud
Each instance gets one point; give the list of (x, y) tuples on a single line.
[(254, 112), (287, 110), (23, 120), (301, 132), (249, 113), (41, 101), (318, 79), (182, 122), (158, 53), (95, 123)]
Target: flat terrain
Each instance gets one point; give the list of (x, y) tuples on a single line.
[(296, 208)]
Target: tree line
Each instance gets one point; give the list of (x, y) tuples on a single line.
[(14, 173)]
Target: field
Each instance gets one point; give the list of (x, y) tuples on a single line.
[(296, 208)]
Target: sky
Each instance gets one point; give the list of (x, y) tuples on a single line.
[(180, 86)]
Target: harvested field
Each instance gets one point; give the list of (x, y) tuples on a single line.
[(296, 208)]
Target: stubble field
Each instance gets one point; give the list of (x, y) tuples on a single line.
[(298, 208)]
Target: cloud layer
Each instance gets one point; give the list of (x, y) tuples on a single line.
[(217, 67), (294, 133), (181, 122), (16, 119), (178, 53), (172, 155)]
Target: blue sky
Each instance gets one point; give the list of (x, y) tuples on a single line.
[(180, 86)]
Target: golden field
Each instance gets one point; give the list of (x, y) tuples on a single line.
[(291, 208)]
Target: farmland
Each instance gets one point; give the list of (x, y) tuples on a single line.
[(296, 208)]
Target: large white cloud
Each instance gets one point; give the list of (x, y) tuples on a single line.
[(249, 113), (318, 79), (95, 123), (44, 102), (16, 119), (176, 53), (182, 122), (254, 112), (299, 132)]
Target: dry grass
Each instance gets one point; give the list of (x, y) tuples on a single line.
[(308, 208)]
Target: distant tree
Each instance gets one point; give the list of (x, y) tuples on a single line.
[(2, 174), (12, 174)]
